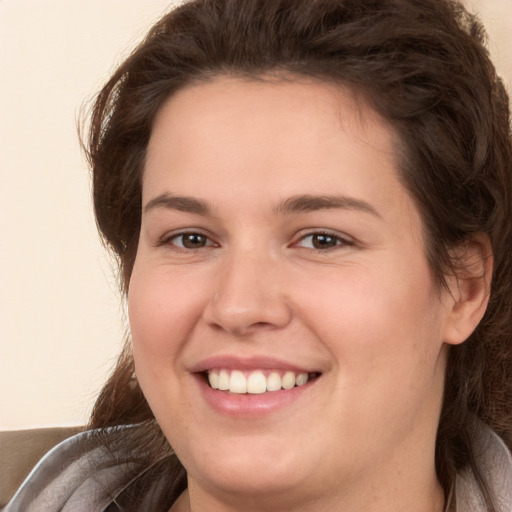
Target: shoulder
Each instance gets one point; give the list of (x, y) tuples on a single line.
[(78, 475), (20, 450), (495, 463)]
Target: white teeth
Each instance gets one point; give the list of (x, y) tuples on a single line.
[(223, 380), (237, 382), (213, 379), (288, 380), (274, 382), (255, 382), (301, 379)]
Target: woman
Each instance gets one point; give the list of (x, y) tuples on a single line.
[(310, 203)]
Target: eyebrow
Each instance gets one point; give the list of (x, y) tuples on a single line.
[(295, 204), (309, 203), (181, 203)]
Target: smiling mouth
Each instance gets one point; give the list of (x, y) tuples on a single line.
[(256, 381)]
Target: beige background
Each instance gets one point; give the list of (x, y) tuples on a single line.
[(60, 319), (61, 322)]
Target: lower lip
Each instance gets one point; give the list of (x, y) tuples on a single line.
[(249, 405)]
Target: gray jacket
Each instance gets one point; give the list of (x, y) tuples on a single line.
[(73, 477)]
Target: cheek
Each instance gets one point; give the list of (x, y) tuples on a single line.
[(147, 311), (160, 319), (378, 321), (157, 333), (161, 311), (387, 342)]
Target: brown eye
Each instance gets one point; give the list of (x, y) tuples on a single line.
[(324, 241), (190, 241)]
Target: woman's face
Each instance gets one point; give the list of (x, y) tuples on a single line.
[(278, 248)]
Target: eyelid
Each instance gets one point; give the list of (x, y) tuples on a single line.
[(169, 236), (342, 238)]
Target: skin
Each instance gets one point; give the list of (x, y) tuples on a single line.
[(363, 311)]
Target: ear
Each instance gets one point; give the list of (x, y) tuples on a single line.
[(469, 288)]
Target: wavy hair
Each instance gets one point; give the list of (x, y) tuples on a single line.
[(423, 66)]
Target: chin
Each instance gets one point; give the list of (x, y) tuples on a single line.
[(250, 468)]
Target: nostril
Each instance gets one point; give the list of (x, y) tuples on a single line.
[(261, 325)]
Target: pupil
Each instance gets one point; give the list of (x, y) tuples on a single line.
[(323, 241), (193, 241)]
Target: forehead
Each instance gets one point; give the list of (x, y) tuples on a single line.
[(292, 98), (275, 124)]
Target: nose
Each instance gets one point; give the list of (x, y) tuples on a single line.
[(249, 296)]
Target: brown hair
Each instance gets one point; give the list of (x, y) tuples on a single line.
[(423, 66)]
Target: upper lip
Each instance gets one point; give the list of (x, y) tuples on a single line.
[(257, 362)]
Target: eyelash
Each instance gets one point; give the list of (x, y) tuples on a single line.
[(168, 240), (339, 241)]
